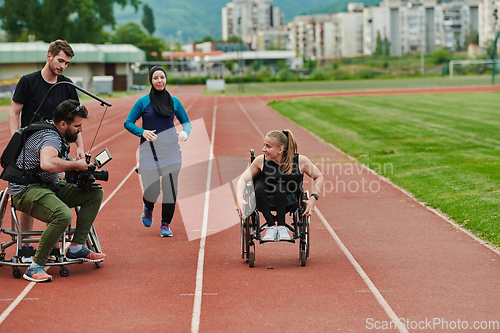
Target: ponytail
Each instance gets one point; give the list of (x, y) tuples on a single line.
[(285, 139)]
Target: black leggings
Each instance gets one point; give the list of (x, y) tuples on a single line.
[(263, 197), (151, 182)]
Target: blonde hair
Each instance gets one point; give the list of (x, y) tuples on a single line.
[(285, 139)]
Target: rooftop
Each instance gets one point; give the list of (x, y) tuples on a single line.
[(36, 52)]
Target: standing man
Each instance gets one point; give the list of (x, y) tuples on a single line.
[(30, 91)]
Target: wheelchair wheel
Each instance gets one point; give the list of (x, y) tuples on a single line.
[(244, 231), (3, 205), (304, 240), (242, 239), (302, 254), (308, 236), (247, 239), (251, 256)]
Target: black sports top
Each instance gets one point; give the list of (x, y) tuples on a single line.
[(276, 180)]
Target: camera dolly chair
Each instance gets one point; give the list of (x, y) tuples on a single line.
[(18, 237)]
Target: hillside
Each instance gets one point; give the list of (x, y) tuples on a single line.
[(198, 18)]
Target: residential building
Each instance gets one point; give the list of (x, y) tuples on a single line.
[(412, 26), (376, 21), (424, 20), (273, 38), (488, 23), (307, 36), (243, 18), (452, 22), (349, 34), (301, 36)]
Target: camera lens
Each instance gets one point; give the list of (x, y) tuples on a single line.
[(101, 175)]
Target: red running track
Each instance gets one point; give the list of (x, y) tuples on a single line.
[(376, 254)]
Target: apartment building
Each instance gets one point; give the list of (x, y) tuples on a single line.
[(412, 28), (488, 23), (273, 38), (327, 36), (452, 25), (430, 23), (408, 26), (349, 38), (301, 36), (243, 18), (376, 20)]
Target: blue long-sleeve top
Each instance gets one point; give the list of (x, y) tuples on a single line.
[(152, 121), (165, 150)]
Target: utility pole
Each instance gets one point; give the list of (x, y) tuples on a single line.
[(422, 41), (181, 59), (494, 48), (240, 58)]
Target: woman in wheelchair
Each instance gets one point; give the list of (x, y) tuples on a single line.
[(277, 177)]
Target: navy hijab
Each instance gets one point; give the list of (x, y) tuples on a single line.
[(161, 101)]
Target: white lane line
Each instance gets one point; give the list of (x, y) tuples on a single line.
[(21, 296), (195, 321), (131, 172), (381, 300), (18, 299), (249, 118), (108, 140), (388, 310)]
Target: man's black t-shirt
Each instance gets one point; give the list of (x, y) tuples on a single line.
[(32, 88)]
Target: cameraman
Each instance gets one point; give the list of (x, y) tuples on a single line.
[(49, 198)]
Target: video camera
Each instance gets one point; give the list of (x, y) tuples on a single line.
[(85, 179)]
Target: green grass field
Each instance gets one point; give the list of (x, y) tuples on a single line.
[(272, 88), (444, 149)]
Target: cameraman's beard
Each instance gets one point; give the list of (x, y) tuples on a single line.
[(71, 137)]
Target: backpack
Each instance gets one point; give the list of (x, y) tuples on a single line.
[(12, 173)]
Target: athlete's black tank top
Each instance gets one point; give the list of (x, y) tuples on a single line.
[(275, 179)]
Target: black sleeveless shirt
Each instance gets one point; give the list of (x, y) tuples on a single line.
[(277, 181)]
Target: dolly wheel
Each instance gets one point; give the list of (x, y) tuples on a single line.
[(16, 272), (64, 271)]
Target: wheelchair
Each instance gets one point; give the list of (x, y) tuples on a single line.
[(251, 228), (18, 238)]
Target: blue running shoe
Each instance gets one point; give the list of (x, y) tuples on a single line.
[(37, 274), (84, 254), (165, 230), (147, 217)]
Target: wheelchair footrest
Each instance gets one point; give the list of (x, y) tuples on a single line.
[(276, 241)]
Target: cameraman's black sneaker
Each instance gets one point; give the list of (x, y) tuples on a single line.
[(147, 217), (85, 255)]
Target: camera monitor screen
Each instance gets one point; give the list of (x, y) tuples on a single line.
[(102, 158)]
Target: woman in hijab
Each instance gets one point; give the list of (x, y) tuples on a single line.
[(159, 152)]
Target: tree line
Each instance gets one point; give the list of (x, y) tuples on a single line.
[(78, 22)]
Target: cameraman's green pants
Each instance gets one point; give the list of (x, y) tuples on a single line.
[(55, 209)]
